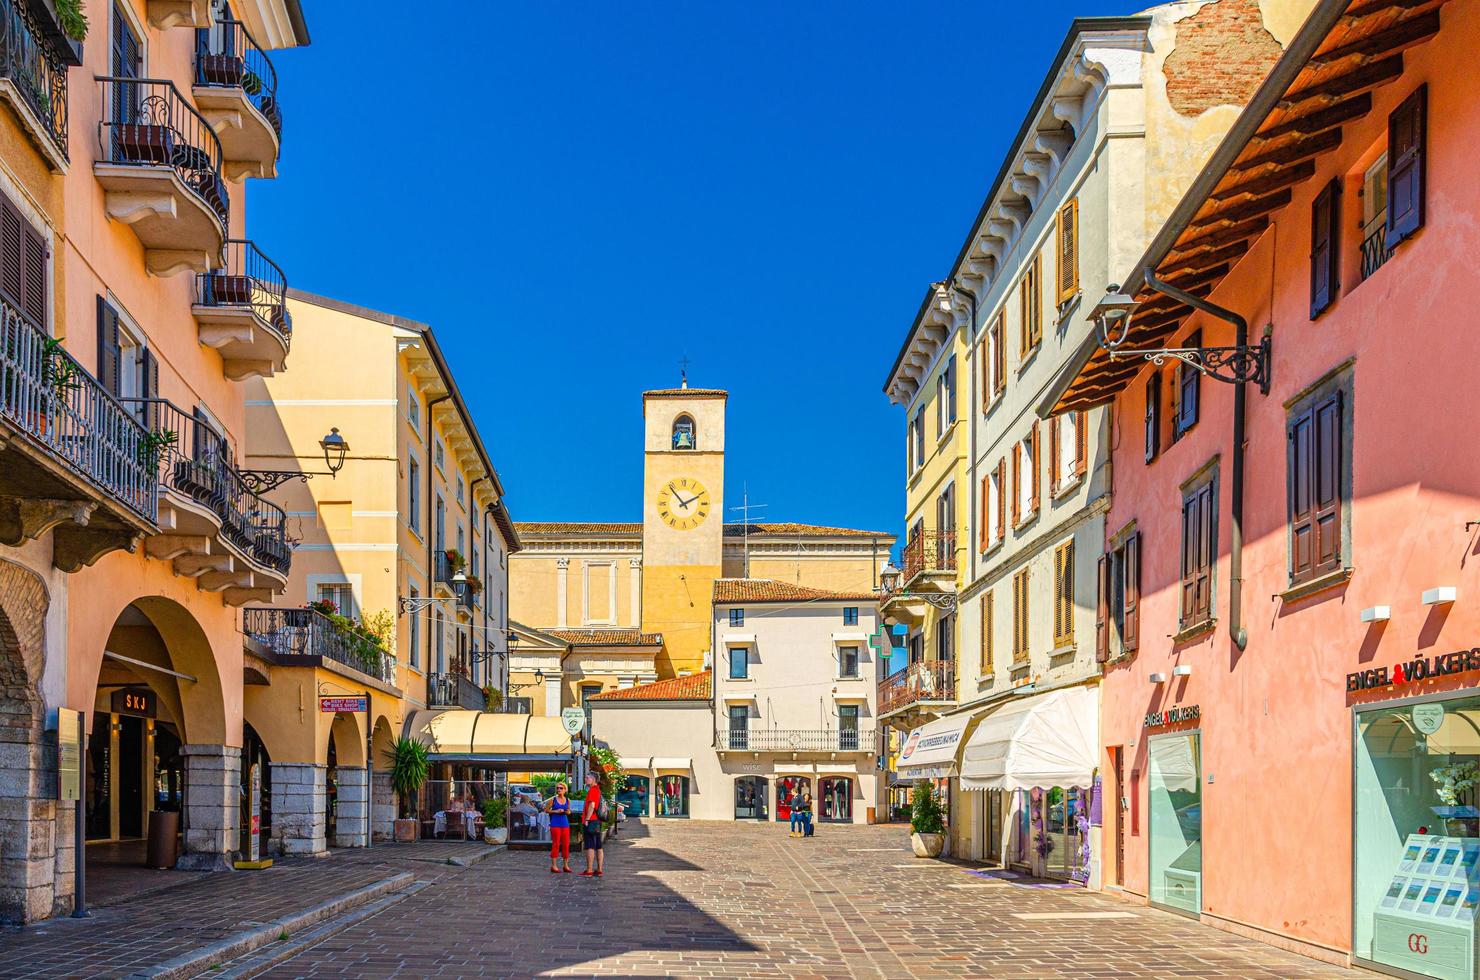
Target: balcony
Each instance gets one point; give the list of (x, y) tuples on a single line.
[(308, 638), (794, 740), (33, 79), (927, 577), (236, 90), (446, 566), (454, 689), (73, 460), (921, 689), (160, 166), (214, 529), (242, 312), (1375, 251)]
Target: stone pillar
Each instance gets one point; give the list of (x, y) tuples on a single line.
[(213, 801), (635, 564), (353, 804), (562, 591), (383, 803), (28, 815), (300, 805)]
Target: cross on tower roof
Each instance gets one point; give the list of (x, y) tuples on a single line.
[(683, 371)]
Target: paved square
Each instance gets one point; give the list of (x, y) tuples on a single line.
[(688, 898)]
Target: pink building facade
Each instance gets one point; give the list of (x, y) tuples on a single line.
[(1299, 762)]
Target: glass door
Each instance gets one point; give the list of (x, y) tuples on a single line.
[(992, 826), (750, 798), (788, 787), (835, 800), (1174, 792)]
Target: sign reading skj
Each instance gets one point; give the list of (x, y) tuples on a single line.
[(1172, 716), (333, 706), (1415, 670)]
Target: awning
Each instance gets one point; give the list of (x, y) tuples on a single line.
[(633, 764), (732, 639), (794, 768), (829, 768), (853, 637), (659, 763), (461, 735), (1041, 741), (930, 751)]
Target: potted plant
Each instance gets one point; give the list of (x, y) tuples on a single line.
[(455, 561), (493, 698), (409, 765), (495, 824), (154, 443), (475, 584), (927, 828)]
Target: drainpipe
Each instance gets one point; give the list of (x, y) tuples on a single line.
[(970, 416), (1236, 629), (431, 520), (483, 629)]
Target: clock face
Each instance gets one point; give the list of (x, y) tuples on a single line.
[(683, 503)]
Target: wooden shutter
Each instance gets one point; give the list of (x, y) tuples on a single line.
[(22, 264), (1024, 618), (1300, 438), (985, 356), (110, 349), (982, 537), (1153, 415), (986, 661), (1102, 610), (1025, 289), (1190, 523), (999, 354), (1054, 425), (1189, 380), (1037, 464), (1017, 483), (1407, 134), (1325, 248), (1130, 634), (1017, 612), (1058, 594), (1081, 442), (1063, 594), (1326, 485), (148, 387), (1068, 251), (1001, 498), (1204, 578)]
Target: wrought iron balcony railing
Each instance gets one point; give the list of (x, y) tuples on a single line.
[(226, 56), (795, 739), (1375, 251), (47, 395), (929, 551), (248, 279), (454, 689), (928, 680), (36, 70), (444, 569), (302, 637), (193, 459), (148, 123)]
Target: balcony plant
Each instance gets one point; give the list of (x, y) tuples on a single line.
[(927, 826), (455, 561), (409, 765), (475, 584), (71, 19), (607, 766), (493, 698), (495, 819), (154, 444)]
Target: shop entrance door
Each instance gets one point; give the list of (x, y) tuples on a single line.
[(1061, 829), (1174, 794), (835, 800), (750, 798), (786, 788), (1117, 761)]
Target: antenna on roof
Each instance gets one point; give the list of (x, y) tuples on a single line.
[(745, 508)]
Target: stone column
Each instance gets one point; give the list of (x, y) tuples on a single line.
[(635, 564), (353, 804), (562, 591), (300, 804), (552, 695), (383, 806), (28, 828), (213, 801)]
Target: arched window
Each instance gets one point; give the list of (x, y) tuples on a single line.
[(683, 433)]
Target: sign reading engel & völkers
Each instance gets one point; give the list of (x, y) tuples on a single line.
[(1172, 716), (1417, 669)]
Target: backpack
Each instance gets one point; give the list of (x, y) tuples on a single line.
[(603, 810)]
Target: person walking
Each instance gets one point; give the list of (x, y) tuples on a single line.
[(591, 828), (806, 814), (796, 813), (558, 807)]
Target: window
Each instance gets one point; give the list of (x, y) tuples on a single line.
[(997, 341), (1325, 248), (589, 691), (342, 595), (1317, 490), (917, 648), (848, 661), (439, 454), (1025, 477), (848, 727), (1153, 415), (850, 615), (683, 433), (1063, 595), (1189, 388), (945, 639), (460, 489), (1020, 618), (917, 442), (1067, 449), (1068, 239), (1405, 173), (739, 663), (1199, 538), (415, 639), (945, 522), (517, 706), (439, 664), (1030, 293), (439, 528), (23, 264), (737, 617), (413, 409), (985, 666), (413, 494), (1374, 217), (739, 716), (1118, 602), (945, 398), (126, 367)]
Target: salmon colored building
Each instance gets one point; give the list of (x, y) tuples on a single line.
[(1287, 614)]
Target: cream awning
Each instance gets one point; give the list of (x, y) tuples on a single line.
[(479, 736), (634, 763), (682, 764), (930, 751), (837, 768), (1038, 742), (738, 639), (794, 768)]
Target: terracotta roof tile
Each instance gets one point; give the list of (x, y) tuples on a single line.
[(694, 687), (565, 528), (820, 530), (561, 528), (608, 638), (727, 590), (686, 393)]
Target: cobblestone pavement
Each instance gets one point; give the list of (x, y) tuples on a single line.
[(745, 900)]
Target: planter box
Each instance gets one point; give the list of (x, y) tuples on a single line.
[(143, 143), (496, 835), (230, 290), (221, 69), (407, 829), (927, 845)]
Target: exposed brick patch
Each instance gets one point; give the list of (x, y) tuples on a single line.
[(1222, 53), (28, 832)]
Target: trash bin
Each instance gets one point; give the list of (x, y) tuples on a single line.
[(164, 839), (872, 817)]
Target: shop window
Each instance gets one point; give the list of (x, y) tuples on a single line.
[(1063, 595), (1199, 543), (672, 796), (1174, 795), (790, 789), (750, 798), (834, 803), (1318, 485), (684, 433), (848, 661), (633, 796)]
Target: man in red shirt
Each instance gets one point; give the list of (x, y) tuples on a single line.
[(591, 829)]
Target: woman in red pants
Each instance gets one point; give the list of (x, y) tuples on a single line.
[(559, 810)]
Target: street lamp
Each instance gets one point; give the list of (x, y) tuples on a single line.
[(264, 481), (1112, 314), (335, 449), (889, 578)]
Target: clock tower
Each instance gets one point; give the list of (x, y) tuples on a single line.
[(683, 492)]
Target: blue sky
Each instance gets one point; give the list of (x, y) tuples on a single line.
[(577, 195)]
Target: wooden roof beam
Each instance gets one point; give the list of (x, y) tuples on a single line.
[(1244, 210), (1315, 122), (1363, 78), (1303, 148), (1362, 9), (1225, 254), (1217, 239), (1272, 181), (1401, 36)]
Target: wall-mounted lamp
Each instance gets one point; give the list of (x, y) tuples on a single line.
[(1182, 670), (264, 481), (335, 449), (1377, 614), (1440, 595), (1158, 678)]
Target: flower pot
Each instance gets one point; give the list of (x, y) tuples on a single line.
[(496, 835), (927, 845), (406, 829)]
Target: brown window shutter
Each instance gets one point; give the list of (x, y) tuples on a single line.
[(1025, 615), (1204, 609), (1407, 135), (1153, 415), (33, 277), (1325, 248), (22, 264), (1001, 498), (982, 540), (985, 356), (1054, 425), (1130, 637), (1189, 559), (1081, 443), (1058, 594), (1326, 486), (1065, 615), (1036, 309), (1025, 343), (1037, 463), (1068, 251), (999, 354), (1017, 613), (110, 352), (986, 661), (149, 385), (1189, 381), (1301, 439), (1102, 610), (1017, 483)]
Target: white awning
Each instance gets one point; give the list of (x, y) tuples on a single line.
[(635, 763), (930, 751), (794, 768), (1041, 741), (462, 735), (831, 768), (738, 639), (683, 764), (855, 637)]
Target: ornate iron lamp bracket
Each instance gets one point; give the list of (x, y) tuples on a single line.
[(1230, 365), (266, 481), (945, 602)]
